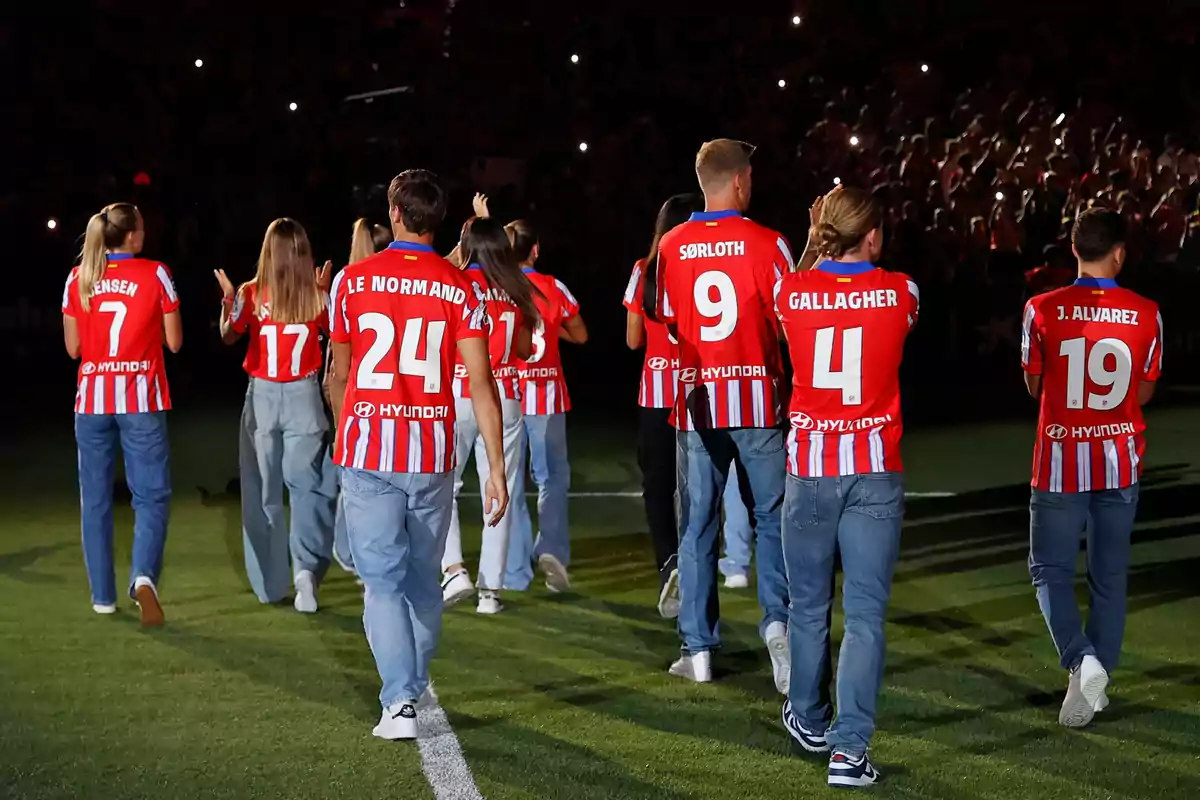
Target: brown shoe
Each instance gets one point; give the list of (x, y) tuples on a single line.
[(151, 610)]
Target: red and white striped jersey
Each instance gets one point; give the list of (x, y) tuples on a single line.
[(718, 273), (1093, 343), (660, 368), (275, 351), (505, 320), (403, 312), (846, 324), (543, 385), (121, 368)]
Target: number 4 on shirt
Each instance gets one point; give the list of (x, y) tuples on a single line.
[(408, 362)]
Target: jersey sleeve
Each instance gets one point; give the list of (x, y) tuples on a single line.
[(1031, 339), (784, 261), (666, 292), (913, 296), (170, 297), (339, 321), (570, 306), (1154, 359), (243, 307), (475, 323), (70, 303), (633, 291)]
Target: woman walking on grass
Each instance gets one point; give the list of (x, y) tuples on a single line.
[(118, 311)]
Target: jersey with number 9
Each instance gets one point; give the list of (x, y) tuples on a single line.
[(403, 312), (717, 273), (121, 368), (1093, 343), (846, 324)]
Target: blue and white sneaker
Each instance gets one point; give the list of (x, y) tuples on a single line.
[(809, 740), (845, 772)]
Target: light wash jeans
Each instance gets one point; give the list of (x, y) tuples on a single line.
[(1057, 522), (397, 524), (860, 517), (143, 439), (738, 534), (331, 486), (283, 443), (551, 471), (493, 557), (705, 460)]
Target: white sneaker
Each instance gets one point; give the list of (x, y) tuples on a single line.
[(695, 667), (1084, 688), (489, 603), (1101, 702), (739, 581), (457, 587), (776, 639), (668, 598), (306, 592), (398, 721), (557, 579), (104, 608), (429, 698)]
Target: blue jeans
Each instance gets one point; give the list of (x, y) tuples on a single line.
[(397, 524), (737, 532), (1057, 521), (283, 443), (860, 516), (552, 473), (705, 459), (331, 487), (143, 439)]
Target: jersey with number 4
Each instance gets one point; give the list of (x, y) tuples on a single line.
[(505, 319), (717, 274), (121, 368), (1093, 343), (403, 312), (543, 384), (846, 324), (277, 351)]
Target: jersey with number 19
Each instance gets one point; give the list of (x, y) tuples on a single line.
[(717, 274), (403, 312), (1093, 343), (505, 320), (121, 368), (846, 324)]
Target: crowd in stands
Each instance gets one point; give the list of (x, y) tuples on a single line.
[(984, 143)]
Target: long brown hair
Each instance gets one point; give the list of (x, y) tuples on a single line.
[(106, 231), (486, 243), (673, 213), (287, 278), (367, 240), (523, 238)]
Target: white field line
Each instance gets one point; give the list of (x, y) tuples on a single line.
[(441, 755), (911, 495)]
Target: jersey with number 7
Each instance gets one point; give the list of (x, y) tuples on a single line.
[(1093, 343), (403, 312), (846, 324)]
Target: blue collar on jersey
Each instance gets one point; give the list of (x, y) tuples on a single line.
[(846, 267), (711, 216), (421, 248), (119, 256), (474, 266), (528, 270), (1096, 283)]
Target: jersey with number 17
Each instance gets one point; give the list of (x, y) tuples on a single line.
[(846, 324), (717, 274), (276, 351), (121, 368), (1093, 343), (403, 312)]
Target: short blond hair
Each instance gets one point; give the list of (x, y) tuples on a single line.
[(719, 160)]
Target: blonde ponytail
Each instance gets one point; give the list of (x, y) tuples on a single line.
[(92, 259), (367, 240)]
